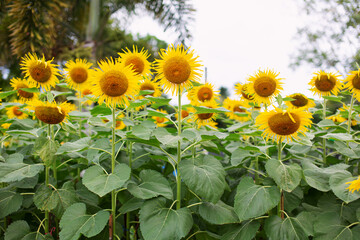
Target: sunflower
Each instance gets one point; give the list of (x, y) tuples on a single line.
[(40, 72), (147, 84), (77, 73), (279, 124), (185, 114), (352, 82), (301, 101), (206, 119), (204, 93), (18, 84), (236, 106), (114, 83), (177, 68), (119, 123), (160, 121), (337, 118), (325, 84), (137, 60), (15, 112), (5, 125), (264, 86), (85, 91), (354, 185), (241, 90), (51, 113)]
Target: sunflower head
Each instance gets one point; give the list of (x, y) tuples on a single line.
[(5, 125), (51, 112), (15, 112), (236, 106), (147, 84), (300, 101), (85, 91), (354, 185), (203, 93), (241, 90), (264, 86), (160, 121), (177, 68), (18, 84), (136, 59), (114, 83), (206, 119), (77, 73), (40, 72), (279, 124), (352, 83), (325, 84)]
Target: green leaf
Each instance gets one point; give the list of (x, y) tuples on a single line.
[(342, 148), (8, 93), (287, 177), (338, 186), (100, 109), (205, 176), (158, 101), (200, 110), (339, 136), (48, 151), (137, 103), (166, 138), (10, 202), (31, 90), (131, 205), (326, 123), (328, 225), (76, 146), (144, 130), (49, 96), (85, 195), (101, 183), (218, 213), (162, 223), (334, 98), (253, 200), (245, 231), (17, 230), (153, 184), (306, 220), (75, 222), (289, 228), (55, 200), (239, 155)]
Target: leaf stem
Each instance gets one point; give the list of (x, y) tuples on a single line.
[(281, 203), (113, 193), (349, 123), (324, 140)]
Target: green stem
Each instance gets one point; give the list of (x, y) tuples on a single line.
[(46, 212), (80, 110), (113, 193), (52, 136), (281, 203), (349, 123), (324, 140), (256, 170), (178, 177), (128, 214)]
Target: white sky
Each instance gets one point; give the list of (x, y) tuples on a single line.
[(234, 38)]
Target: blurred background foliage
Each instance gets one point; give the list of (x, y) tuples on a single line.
[(68, 29)]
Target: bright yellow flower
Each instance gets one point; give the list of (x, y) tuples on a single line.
[(236, 106), (6, 125), (206, 119), (77, 73), (40, 72), (137, 60), (18, 84), (354, 185), (15, 112), (241, 90), (203, 93), (264, 86), (177, 68), (160, 121), (279, 124), (85, 91), (325, 84), (301, 101), (51, 113), (152, 85), (352, 82)]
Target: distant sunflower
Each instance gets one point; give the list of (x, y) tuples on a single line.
[(236, 106), (242, 91), (325, 84), (278, 124), (160, 121), (5, 125), (114, 83), (203, 93), (301, 101), (339, 119), (15, 112), (206, 119), (51, 113), (352, 82), (177, 68), (18, 84), (264, 86), (186, 114), (354, 185), (77, 73), (137, 60), (85, 91), (150, 85), (40, 72)]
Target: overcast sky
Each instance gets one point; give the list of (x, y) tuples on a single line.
[(234, 38)]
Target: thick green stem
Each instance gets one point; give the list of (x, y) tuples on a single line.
[(281, 203), (349, 122), (113, 193), (46, 212), (324, 140), (128, 214), (257, 170), (52, 136), (178, 177)]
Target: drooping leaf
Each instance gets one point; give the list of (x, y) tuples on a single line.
[(70, 147), (166, 138), (75, 222), (205, 176), (162, 223), (218, 213), (253, 200), (153, 184), (245, 231), (101, 183), (10, 202)]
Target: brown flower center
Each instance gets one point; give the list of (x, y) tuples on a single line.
[(23, 93), (137, 64), (49, 115), (356, 81), (114, 83), (299, 101), (40, 72), (160, 119), (205, 94), (86, 92), (147, 86), (17, 112), (325, 83), (282, 124), (238, 108), (204, 116), (78, 74), (265, 86), (177, 70), (184, 114)]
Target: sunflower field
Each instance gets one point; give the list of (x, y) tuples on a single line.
[(96, 151)]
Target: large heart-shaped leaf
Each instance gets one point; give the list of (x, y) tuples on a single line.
[(75, 222), (289, 228), (9, 202), (153, 184), (101, 183), (338, 186), (245, 231), (218, 213), (253, 200), (162, 223), (205, 176), (20, 230)]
